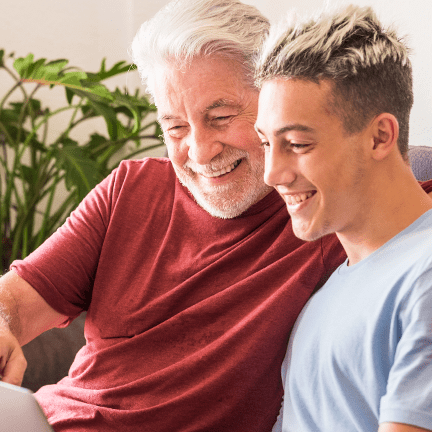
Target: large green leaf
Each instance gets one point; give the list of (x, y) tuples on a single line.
[(68, 79), (107, 112), (103, 74), (10, 124), (94, 89), (52, 69), (28, 174), (33, 108), (40, 70), (9, 116), (96, 144), (131, 105), (54, 73), (81, 171), (21, 64)]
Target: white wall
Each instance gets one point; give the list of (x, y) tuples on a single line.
[(84, 31)]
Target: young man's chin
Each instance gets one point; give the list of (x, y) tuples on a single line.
[(306, 233)]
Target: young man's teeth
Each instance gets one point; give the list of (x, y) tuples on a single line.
[(297, 199), (223, 170)]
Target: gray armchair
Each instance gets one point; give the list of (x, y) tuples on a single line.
[(421, 162), (50, 355)]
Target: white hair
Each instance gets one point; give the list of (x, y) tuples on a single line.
[(185, 29)]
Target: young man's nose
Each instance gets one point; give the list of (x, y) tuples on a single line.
[(279, 169)]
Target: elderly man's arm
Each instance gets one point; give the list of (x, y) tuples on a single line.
[(24, 314)]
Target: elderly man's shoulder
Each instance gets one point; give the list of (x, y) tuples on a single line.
[(147, 163), (146, 176), (152, 168)]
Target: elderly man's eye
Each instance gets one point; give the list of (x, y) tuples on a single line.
[(176, 131), (222, 119)]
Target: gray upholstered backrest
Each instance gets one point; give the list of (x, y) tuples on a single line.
[(421, 162)]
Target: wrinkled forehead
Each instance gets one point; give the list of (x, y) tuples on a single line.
[(200, 83), (203, 69)]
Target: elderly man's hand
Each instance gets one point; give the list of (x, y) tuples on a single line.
[(24, 314), (12, 361)]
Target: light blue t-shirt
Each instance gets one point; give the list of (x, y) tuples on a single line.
[(361, 351)]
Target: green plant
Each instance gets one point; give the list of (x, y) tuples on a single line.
[(43, 179)]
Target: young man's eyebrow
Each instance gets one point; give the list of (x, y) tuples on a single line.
[(291, 127), (294, 127)]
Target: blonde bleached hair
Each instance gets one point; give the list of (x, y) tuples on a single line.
[(186, 29), (368, 64)]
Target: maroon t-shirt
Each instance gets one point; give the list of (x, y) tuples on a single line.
[(188, 315)]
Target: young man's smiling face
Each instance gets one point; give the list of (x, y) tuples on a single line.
[(314, 164), (207, 113)]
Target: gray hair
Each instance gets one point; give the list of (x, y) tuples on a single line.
[(185, 29), (369, 65)]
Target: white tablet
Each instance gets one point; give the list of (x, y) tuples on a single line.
[(20, 411)]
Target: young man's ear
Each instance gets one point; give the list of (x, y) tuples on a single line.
[(385, 129)]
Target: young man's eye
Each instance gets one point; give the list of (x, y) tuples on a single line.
[(265, 145), (299, 146)]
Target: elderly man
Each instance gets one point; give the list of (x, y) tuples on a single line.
[(333, 117)]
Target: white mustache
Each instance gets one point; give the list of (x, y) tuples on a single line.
[(218, 163)]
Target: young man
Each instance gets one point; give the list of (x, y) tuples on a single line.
[(333, 119)]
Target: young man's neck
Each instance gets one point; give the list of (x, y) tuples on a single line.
[(396, 201)]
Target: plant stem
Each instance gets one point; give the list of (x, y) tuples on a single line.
[(18, 84), (71, 125), (3, 101), (47, 212), (23, 113)]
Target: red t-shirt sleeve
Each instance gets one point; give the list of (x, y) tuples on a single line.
[(427, 186), (71, 254)]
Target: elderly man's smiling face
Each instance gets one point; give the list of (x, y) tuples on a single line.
[(207, 113)]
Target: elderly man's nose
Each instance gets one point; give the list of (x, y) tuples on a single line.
[(203, 147)]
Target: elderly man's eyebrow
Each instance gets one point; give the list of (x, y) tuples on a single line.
[(167, 117), (217, 104), (222, 103)]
